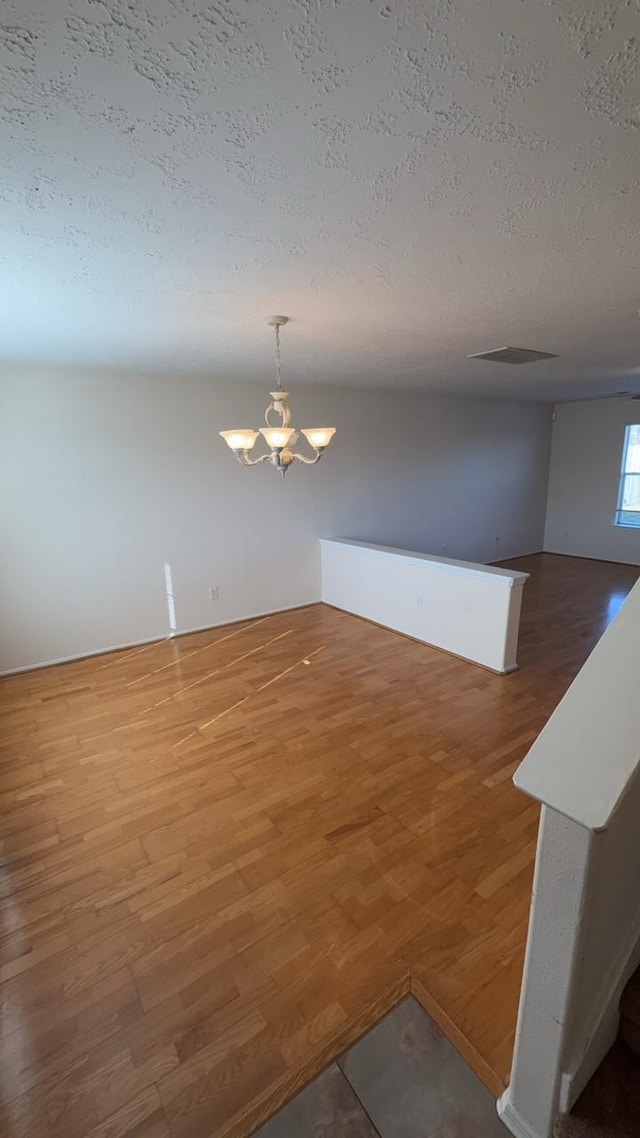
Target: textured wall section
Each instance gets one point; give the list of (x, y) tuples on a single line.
[(414, 182)]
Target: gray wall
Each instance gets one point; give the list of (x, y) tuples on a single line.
[(105, 477), (584, 477)]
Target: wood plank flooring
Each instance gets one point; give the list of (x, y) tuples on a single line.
[(225, 856)]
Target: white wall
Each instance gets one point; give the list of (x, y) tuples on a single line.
[(105, 477), (586, 456)]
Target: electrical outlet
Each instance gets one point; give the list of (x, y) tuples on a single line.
[(419, 600), (497, 540), (213, 592)]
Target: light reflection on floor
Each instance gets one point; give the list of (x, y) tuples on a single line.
[(614, 604)]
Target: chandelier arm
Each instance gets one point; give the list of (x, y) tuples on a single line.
[(307, 461), (244, 459)]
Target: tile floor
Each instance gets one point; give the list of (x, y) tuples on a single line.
[(402, 1080)]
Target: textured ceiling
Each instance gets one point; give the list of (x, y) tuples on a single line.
[(411, 181)]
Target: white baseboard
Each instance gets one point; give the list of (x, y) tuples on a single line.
[(159, 639), (512, 1120)]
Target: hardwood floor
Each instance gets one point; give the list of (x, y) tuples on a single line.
[(227, 855)]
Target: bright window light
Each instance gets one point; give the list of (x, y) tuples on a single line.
[(628, 512)]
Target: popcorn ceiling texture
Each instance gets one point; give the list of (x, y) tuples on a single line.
[(412, 181)]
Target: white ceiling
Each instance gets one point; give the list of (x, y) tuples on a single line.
[(411, 181)]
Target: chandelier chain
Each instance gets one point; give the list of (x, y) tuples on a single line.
[(278, 360)]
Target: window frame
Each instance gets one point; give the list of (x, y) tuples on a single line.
[(626, 519)]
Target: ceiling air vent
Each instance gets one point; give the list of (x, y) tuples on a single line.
[(513, 356)]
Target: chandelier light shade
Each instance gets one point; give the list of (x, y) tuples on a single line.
[(239, 440), (280, 438)]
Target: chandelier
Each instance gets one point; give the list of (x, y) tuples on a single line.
[(281, 438)]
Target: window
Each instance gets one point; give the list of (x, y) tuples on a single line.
[(628, 512)]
